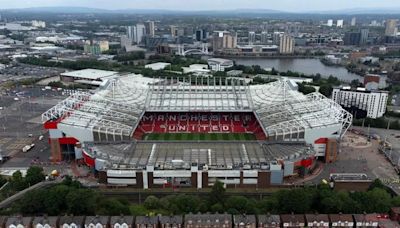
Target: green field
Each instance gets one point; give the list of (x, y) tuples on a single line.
[(199, 136)]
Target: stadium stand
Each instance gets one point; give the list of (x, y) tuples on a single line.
[(199, 122)]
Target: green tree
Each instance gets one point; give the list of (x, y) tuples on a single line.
[(378, 201), (238, 203), (81, 202), (17, 181), (55, 202), (152, 202), (217, 208), (34, 175), (112, 207), (326, 90), (217, 194), (32, 202), (296, 200)]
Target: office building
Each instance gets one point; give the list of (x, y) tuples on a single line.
[(150, 28), (276, 37), (126, 42), (330, 23), (200, 34), (352, 38), (391, 27), (264, 37), (364, 36), (286, 44), (339, 23), (361, 102), (176, 31), (139, 33), (95, 47), (353, 21), (224, 40), (130, 32), (252, 38)]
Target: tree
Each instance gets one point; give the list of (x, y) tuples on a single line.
[(238, 203), (305, 89), (187, 204), (326, 90), (112, 207), (217, 194), (17, 181), (81, 202), (296, 200), (217, 208), (55, 202), (152, 202), (378, 201), (355, 83), (34, 175), (32, 202), (376, 184)]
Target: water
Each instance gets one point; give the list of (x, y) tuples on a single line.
[(306, 66)]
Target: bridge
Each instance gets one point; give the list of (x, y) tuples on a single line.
[(196, 50)]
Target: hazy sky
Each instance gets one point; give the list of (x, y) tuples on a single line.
[(286, 5)]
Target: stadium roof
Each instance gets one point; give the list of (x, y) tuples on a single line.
[(199, 94), (214, 155), (286, 113), (112, 112)]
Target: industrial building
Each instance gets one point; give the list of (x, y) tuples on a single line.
[(108, 130)]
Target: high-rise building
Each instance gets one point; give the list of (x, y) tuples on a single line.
[(264, 37), (140, 32), (150, 28), (126, 42), (364, 36), (276, 37), (339, 23), (391, 27), (286, 44), (352, 38), (199, 35), (361, 102), (92, 48), (104, 45), (252, 38), (353, 21), (330, 23), (130, 32), (224, 40), (176, 31)]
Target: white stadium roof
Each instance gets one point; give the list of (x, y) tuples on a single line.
[(113, 110)]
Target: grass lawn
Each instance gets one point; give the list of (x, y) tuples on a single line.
[(199, 136)]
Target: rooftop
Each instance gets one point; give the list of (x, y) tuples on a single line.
[(92, 74), (213, 155)]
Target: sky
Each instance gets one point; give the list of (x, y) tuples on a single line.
[(284, 5)]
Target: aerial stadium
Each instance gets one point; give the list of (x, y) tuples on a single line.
[(191, 132)]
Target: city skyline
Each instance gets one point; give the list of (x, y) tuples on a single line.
[(283, 5)]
